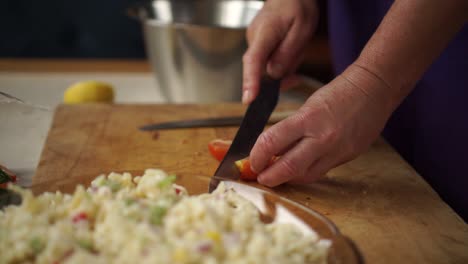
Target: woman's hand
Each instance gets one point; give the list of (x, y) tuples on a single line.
[(336, 123), (342, 119), (277, 38)]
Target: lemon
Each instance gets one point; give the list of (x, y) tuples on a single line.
[(89, 92)]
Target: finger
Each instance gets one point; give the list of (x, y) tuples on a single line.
[(288, 55), (288, 148), (317, 169), (293, 164), (273, 141), (266, 37)]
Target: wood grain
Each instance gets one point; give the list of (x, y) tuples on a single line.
[(377, 200)]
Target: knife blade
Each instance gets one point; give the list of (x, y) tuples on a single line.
[(253, 123), (210, 122)]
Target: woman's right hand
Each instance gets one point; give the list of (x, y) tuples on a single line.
[(277, 38)]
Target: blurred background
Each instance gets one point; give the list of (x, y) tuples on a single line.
[(48, 47), (88, 29)]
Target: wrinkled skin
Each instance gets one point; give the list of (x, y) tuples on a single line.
[(335, 124), (340, 120), (329, 128)]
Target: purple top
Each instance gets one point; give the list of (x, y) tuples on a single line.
[(430, 128)]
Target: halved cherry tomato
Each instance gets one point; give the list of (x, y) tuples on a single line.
[(246, 172), (218, 148)]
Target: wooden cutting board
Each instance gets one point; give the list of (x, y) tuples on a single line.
[(377, 200)]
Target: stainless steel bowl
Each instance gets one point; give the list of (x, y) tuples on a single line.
[(196, 47)]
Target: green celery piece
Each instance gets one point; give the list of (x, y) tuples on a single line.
[(85, 244), (36, 244), (114, 186), (166, 182), (129, 201), (156, 215)]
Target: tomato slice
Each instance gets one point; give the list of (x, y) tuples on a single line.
[(218, 148), (246, 172)]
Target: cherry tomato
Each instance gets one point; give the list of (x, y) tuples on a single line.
[(218, 148), (246, 172)]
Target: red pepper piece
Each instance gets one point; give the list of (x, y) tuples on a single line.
[(80, 217)]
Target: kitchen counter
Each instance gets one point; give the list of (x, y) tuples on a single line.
[(377, 200), (42, 82)]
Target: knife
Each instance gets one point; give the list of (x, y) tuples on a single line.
[(253, 123), (211, 122)]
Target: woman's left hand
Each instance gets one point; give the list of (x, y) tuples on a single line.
[(336, 123)]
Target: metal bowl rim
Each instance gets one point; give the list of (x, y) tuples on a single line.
[(156, 22)]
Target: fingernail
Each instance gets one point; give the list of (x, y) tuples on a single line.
[(246, 97), (276, 70)]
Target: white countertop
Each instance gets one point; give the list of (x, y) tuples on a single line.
[(24, 127)]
